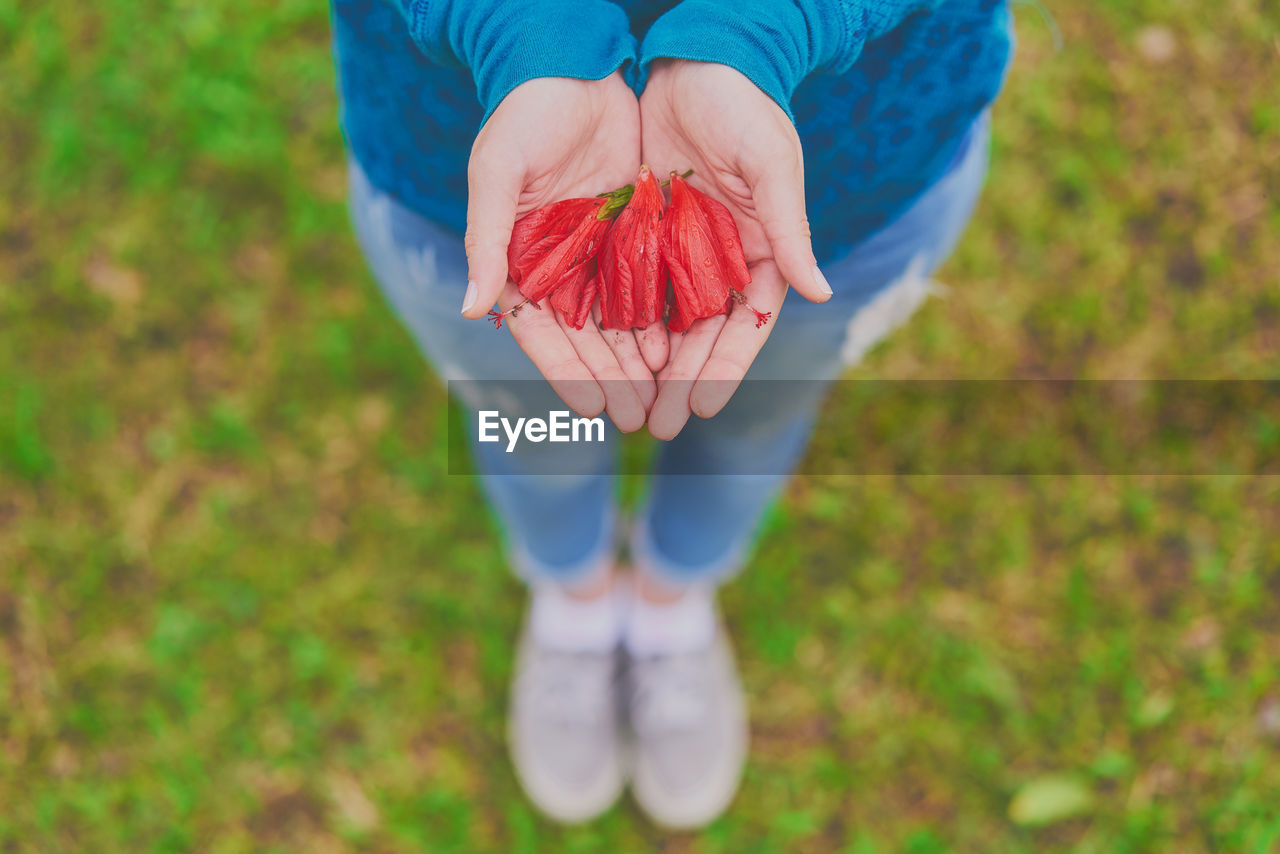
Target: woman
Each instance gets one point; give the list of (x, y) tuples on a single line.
[(848, 138)]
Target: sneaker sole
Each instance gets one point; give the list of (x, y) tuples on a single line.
[(567, 806)]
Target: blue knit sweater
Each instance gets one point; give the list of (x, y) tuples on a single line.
[(882, 91)]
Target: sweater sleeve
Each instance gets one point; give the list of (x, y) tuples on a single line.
[(505, 43), (775, 44)]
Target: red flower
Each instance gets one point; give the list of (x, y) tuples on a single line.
[(633, 275), (551, 246), (553, 249), (703, 252)]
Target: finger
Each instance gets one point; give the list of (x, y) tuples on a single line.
[(778, 194), (621, 401), (673, 346), (627, 353), (739, 342), (492, 194), (540, 337), (654, 345), (671, 410)]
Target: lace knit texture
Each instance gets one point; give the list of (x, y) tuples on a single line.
[(881, 91)]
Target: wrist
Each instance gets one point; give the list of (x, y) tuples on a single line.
[(504, 51), (765, 42)]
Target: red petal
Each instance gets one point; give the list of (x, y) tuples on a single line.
[(700, 283), (536, 254), (728, 240), (557, 267), (632, 270), (573, 300)]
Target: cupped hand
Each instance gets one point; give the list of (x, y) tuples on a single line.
[(745, 152), (554, 138)]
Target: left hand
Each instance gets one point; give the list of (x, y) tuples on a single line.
[(745, 152), (587, 138)]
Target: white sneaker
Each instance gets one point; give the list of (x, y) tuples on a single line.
[(689, 724), (563, 730)]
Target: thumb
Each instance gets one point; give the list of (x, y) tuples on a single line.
[(491, 213), (779, 201)]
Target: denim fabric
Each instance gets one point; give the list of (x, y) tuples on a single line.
[(693, 527)]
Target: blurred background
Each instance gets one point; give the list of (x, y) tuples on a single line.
[(243, 608)]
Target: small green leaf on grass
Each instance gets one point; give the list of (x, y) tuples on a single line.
[(1153, 710), (1111, 765), (1048, 799)]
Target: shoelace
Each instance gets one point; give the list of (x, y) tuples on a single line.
[(669, 692), (570, 688)]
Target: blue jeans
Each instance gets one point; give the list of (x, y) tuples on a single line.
[(693, 527)]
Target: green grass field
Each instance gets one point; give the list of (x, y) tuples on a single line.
[(243, 608)]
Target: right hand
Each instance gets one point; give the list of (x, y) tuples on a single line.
[(744, 151), (554, 138)]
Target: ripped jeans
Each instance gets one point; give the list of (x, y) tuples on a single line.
[(693, 527)]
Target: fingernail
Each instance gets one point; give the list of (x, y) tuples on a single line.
[(821, 281), (470, 299)]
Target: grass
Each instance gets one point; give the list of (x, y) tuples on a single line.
[(242, 608)]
